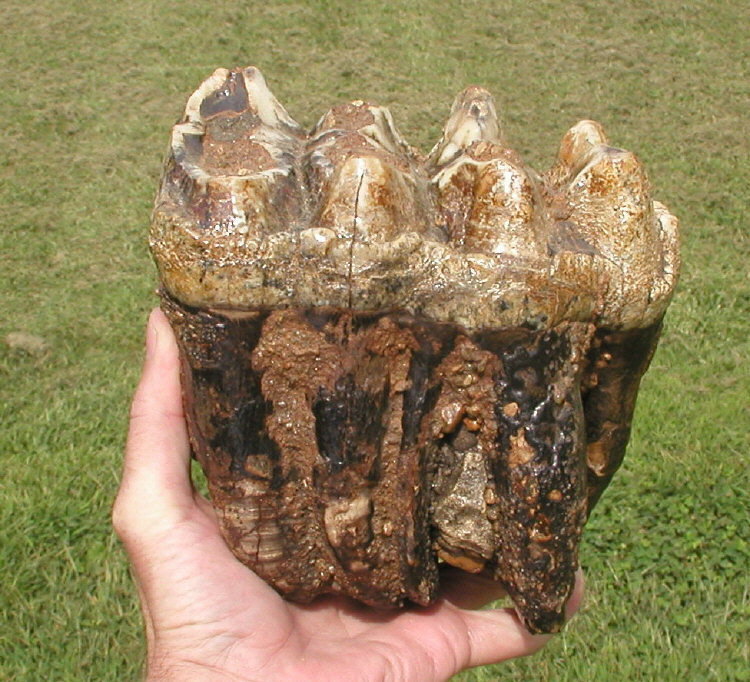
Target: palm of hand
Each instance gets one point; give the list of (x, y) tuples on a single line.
[(214, 618)]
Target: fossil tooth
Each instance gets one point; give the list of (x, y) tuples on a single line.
[(539, 469), (391, 361), (229, 181)]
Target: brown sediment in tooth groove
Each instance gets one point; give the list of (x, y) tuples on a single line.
[(391, 359)]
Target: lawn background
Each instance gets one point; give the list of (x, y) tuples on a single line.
[(89, 91)]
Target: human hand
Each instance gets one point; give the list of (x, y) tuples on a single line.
[(208, 617)]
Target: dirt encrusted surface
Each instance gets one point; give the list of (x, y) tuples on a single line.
[(350, 453)]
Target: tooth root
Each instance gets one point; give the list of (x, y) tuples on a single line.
[(539, 469), (368, 186), (617, 360), (473, 119)]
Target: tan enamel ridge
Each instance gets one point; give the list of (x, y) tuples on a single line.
[(252, 212)]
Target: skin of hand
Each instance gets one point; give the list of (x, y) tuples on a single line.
[(208, 617)]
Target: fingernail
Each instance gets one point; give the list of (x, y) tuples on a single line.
[(576, 599), (152, 336)]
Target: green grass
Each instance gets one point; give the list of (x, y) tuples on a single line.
[(88, 95)]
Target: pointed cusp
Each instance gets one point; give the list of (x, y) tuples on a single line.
[(365, 181), (489, 200), (473, 118), (228, 180)]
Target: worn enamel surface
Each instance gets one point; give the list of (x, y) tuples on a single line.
[(392, 360)]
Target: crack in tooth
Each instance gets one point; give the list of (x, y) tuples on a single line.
[(244, 182)]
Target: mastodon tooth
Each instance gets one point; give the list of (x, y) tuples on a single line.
[(393, 360)]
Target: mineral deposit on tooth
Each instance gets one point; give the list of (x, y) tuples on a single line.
[(391, 361)]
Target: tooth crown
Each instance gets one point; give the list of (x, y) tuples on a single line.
[(252, 212)]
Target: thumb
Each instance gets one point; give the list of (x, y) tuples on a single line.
[(497, 634), (156, 487)]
